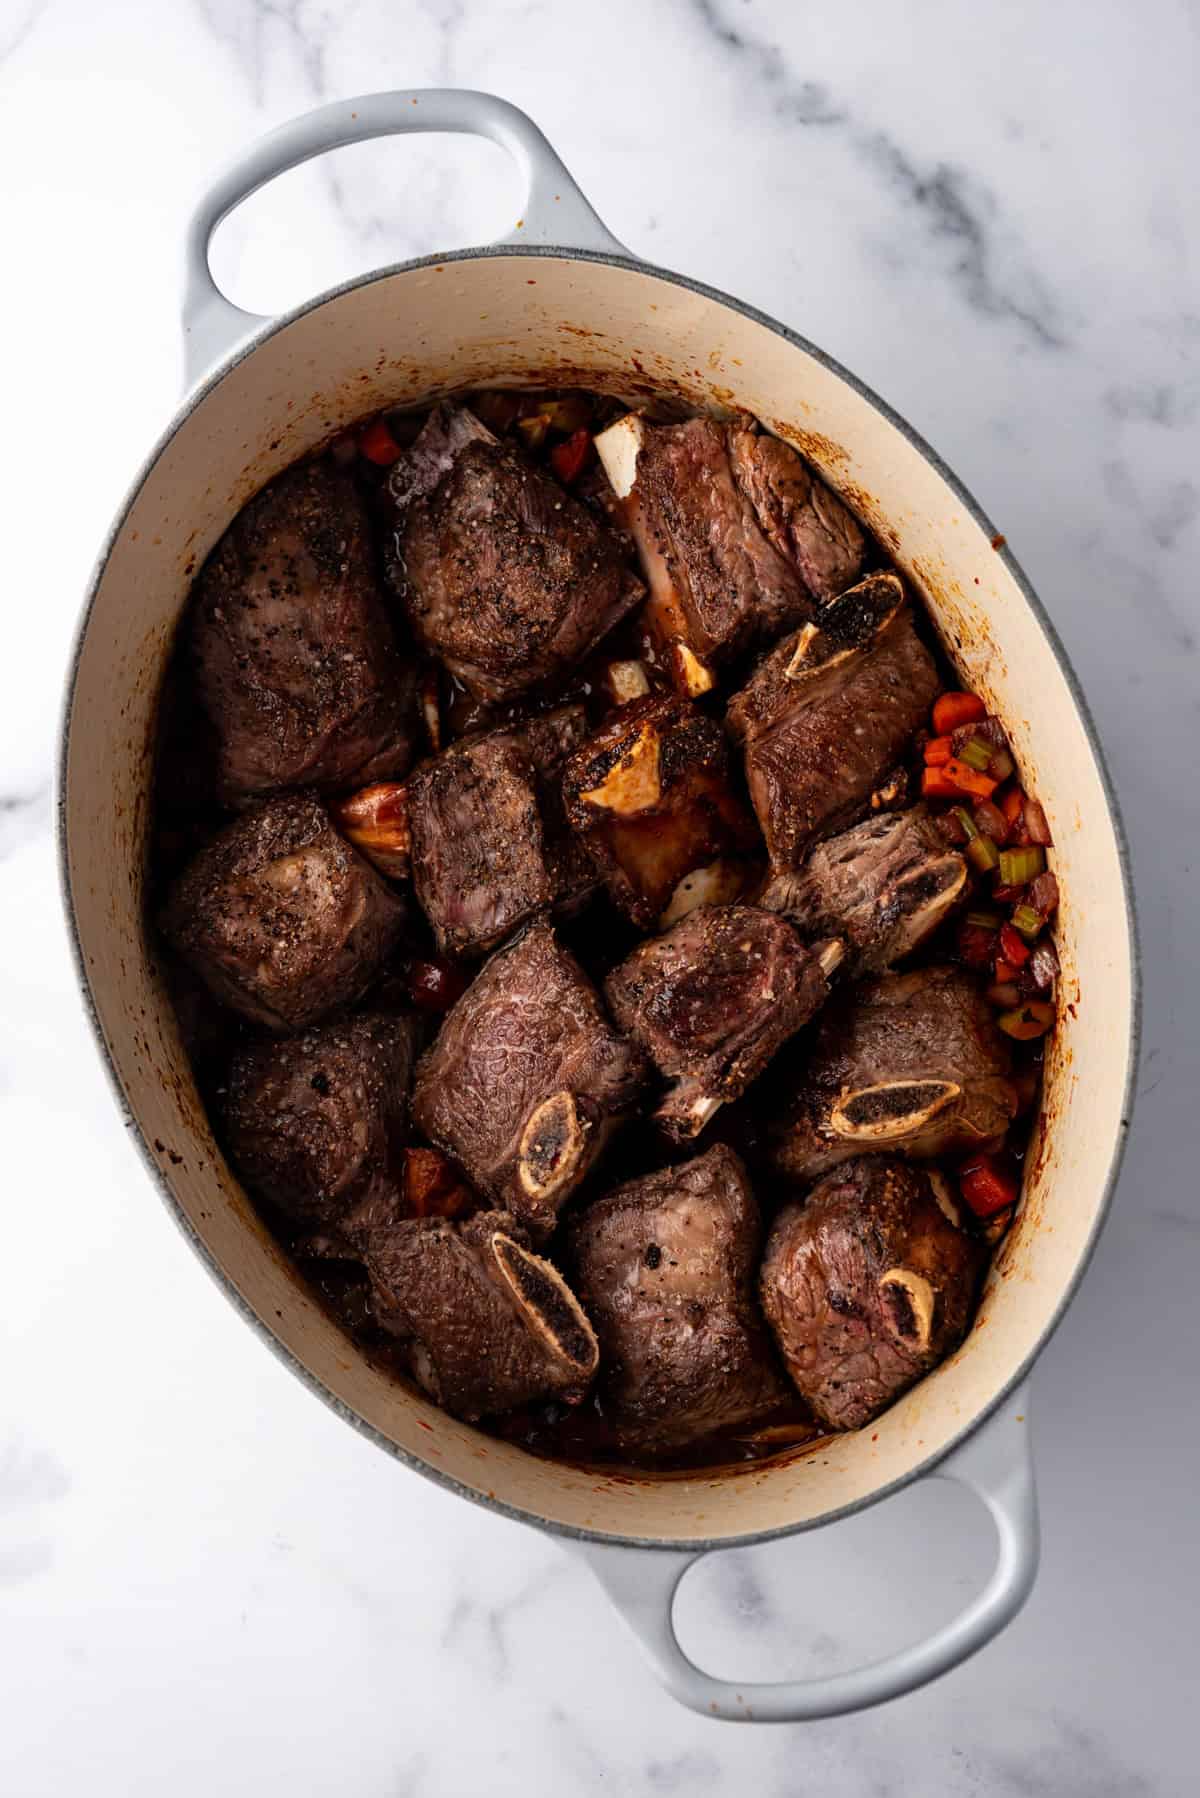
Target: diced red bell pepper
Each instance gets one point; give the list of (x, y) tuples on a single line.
[(988, 1185), (1013, 947), (953, 709), (569, 459), (378, 445)]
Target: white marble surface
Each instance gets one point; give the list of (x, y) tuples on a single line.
[(206, 1581)]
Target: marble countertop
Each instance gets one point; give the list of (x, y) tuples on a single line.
[(206, 1581)]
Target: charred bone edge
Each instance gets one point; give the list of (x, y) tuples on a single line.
[(901, 1107), (547, 1305), (848, 625), (686, 1109), (919, 1300), (552, 1147), (618, 449), (634, 782)]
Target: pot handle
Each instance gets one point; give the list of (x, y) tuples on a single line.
[(995, 1464), (555, 210)]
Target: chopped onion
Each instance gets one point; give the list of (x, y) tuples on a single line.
[(990, 820), (1036, 827), (1043, 964), (1043, 894)]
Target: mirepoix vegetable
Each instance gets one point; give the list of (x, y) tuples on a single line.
[(569, 459), (1027, 1021), (983, 854), (1012, 948), (988, 1185), (1026, 920), (1019, 865), (976, 754), (378, 444), (953, 709)]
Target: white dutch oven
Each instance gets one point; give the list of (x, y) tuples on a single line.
[(528, 311)]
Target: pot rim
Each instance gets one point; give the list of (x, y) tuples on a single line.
[(246, 347)]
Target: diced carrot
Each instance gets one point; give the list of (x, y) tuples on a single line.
[(988, 1185), (953, 709), (935, 784), (968, 780), (569, 459), (378, 445), (938, 751), (1005, 971), (1012, 948)]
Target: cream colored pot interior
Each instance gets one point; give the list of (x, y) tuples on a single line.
[(503, 319)]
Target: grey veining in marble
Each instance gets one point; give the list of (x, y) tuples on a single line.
[(988, 212)]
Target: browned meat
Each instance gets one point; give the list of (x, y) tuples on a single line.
[(491, 1326), (806, 522), (884, 887), (490, 845), (867, 1285), (650, 793), (316, 1123), (716, 583), (505, 575), (280, 917), (911, 1063), (293, 650), (711, 1002), (665, 1267), (828, 712), (527, 1078)]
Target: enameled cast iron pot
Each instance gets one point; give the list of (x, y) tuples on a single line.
[(561, 301)]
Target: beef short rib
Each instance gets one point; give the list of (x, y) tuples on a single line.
[(651, 795), (504, 574), (280, 916), (527, 1078), (909, 1063), (316, 1123), (717, 584), (295, 657), (490, 1326), (665, 1268), (805, 521), (883, 886), (711, 1001), (827, 714), (490, 846), (867, 1285)]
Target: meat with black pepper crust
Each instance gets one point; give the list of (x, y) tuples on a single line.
[(828, 712), (490, 1325), (665, 1268), (295, 657), (490, 846), (503, 573), (527, 1078), (867, 1285), (711, 1001), (912, 1063), (315, 1123), (280, 917)]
